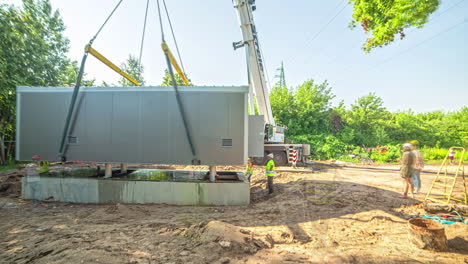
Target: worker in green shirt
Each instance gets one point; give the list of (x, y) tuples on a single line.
[(270, 172), (249, 169)]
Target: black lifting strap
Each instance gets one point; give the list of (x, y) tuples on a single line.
[(195, 160), (71, 108)]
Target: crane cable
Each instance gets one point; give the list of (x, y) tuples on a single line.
[(144, 30), (182, 111), (105, 22), (174, 37)]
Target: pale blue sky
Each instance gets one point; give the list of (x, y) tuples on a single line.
[(420, 72)]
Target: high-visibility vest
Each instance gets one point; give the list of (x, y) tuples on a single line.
[(270, 168), (249, 168), (43, 166)]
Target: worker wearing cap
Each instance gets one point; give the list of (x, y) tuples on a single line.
[(270, 172), (407, 170), (418, 165), (249, 169)]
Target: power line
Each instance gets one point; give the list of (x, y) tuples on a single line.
[(309, 41), (415, 46), (431, 21), (441, 13)]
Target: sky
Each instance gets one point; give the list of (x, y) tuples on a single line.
[(426, 71)]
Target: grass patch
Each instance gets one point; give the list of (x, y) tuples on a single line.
[(9, 167)]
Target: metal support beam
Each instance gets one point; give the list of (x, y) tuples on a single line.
[(212, 173)]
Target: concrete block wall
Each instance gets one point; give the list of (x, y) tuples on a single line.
[(91, 190)]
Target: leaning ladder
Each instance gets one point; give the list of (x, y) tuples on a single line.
[(443, 174)]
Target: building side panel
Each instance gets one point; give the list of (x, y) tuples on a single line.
[(41, 124), (136, 126), (256, 136)]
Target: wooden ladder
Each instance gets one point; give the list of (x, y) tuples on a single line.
[(449, 181)]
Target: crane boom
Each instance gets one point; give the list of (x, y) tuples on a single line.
[(256, 63)]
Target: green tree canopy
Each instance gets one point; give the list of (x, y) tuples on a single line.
[(167, 81), (385, 19), (32, 53), (133, 68)]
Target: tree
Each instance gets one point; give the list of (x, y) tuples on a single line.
[(384, 19), (367, 117), (313, 105), (32, 53), (282, 104), (71, 75), (133, 68), (167, 80)]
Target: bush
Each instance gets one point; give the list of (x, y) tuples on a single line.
[(440, 153), (323, 147), (392, 154)]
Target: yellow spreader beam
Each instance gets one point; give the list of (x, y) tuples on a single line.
[(174, 63), (111, 65)]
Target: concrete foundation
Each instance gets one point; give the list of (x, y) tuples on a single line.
[(96, 190)]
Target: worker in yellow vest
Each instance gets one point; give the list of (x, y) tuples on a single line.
[(270, 172), (43, 167), (249, 169)]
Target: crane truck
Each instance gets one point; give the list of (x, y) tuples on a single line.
[(274, 135)]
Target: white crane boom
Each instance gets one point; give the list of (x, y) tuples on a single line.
[(255, 62)]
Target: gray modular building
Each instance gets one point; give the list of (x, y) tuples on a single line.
[(137, 125)]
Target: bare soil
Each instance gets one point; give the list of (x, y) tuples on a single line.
[(347, 214)]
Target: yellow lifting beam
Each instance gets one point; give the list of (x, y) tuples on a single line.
[(174, 62), (111, 65)]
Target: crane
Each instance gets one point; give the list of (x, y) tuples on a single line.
[(274, 133)]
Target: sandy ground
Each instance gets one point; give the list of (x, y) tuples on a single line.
[(334, 215)]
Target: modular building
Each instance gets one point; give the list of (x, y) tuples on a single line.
[(137, 125)]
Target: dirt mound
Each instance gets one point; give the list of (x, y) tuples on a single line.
[(230, 239), (10, 183)]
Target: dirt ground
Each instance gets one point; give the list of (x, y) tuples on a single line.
[(333, 215)]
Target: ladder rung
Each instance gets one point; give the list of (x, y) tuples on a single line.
[(447, 177), (457, 200), (436, 200), (441, 184), (437, 192)]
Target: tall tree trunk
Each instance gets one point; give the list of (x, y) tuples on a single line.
[(2, 151)]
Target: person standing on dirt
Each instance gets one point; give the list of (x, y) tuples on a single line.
[(406, 169), (249, 169), (451, 155), (418, 165), (270, 172)]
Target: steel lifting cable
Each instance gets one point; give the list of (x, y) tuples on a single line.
[(174, 37), (71, 108), (177, 94), (144, 30), (105, 22)]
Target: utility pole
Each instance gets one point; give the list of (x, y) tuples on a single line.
[(280, 75)]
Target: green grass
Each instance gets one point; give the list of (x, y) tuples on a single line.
[(9, 167)]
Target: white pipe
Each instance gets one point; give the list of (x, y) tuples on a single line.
[(212, 173), (123, 167), (108, 172)]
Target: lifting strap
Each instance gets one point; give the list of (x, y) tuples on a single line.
[(170, 62), (71, 108)]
